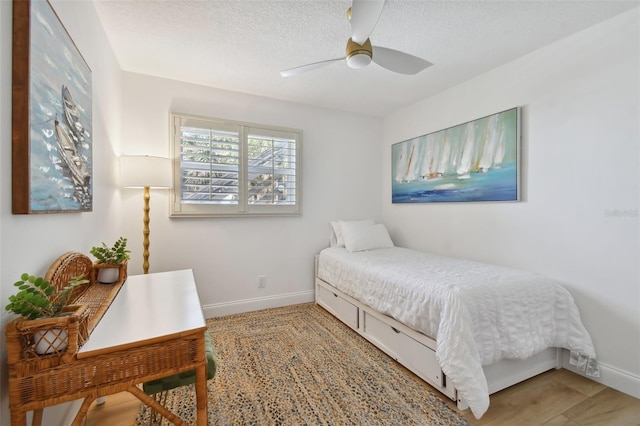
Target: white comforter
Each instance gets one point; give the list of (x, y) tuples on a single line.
[(478, 313)]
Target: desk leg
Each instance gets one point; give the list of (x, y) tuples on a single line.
[(37, 417), (18, 418), (84, 409), (146, 399), (201, 384)]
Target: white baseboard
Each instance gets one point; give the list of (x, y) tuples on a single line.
[(612, 377), (248, 305)]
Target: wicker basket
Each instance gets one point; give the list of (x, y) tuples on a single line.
[(122, 270), (47, 342), (34, 345)]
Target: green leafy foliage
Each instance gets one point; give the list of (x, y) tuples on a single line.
[(37, 298), (112, 255)]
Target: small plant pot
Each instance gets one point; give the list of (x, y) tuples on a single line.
[(108, 275), (50, 341)]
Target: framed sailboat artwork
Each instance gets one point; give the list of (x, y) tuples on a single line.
[(51, 115), (474, 161)]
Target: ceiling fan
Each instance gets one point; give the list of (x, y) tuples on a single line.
[(364, 15)]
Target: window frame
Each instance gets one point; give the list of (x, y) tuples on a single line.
[(243, 207)]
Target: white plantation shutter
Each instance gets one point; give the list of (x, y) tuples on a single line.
[(272, 166), (209, 166), (225, 168)]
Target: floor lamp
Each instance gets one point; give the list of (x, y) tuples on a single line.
[(144, 171)]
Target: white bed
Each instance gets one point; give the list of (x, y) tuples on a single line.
[(468, 328)]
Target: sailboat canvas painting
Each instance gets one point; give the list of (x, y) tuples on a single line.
[(473, 161), (51, 115)]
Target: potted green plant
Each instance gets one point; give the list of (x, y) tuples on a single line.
[(36, 299), (110, 260)]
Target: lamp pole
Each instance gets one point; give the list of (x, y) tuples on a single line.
[(146, 231), (144, 171)]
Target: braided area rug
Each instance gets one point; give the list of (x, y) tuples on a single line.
[(298, 365)]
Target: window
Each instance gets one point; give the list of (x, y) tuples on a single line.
[(226, 168)]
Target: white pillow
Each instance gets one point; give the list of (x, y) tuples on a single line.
[(336, 237), (334, 229), (363, 236), (332, 236)]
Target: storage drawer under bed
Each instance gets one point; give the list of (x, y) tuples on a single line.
[(339, 307), (406, 350), (414, 352)]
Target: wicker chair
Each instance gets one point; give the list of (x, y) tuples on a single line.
[(160, 388)]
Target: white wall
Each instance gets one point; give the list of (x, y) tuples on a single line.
[(578, 218), (341, 157), (30, 243)]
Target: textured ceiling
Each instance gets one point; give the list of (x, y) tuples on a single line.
[(242, 45)]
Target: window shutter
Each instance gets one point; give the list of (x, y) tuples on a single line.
[(272, 168), (209, 165)]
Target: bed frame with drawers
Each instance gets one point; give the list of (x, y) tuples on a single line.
[(416, 351)]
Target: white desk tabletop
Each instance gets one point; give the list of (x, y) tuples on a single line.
[(147, 307)]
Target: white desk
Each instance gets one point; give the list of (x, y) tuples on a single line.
[(153, 328), (149, 308)]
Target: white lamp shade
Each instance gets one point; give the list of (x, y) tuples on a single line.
[(138, 171)]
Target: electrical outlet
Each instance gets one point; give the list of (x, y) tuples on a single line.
[(262, 281)]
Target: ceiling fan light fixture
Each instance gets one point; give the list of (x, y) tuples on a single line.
[(358, 56), (358, 61)]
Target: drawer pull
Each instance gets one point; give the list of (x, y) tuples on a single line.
[(395, 329)]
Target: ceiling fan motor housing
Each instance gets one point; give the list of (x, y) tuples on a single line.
[(358, 56)]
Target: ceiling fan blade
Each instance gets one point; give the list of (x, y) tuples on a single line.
[(364, 17), (397, 61), (309, 67)]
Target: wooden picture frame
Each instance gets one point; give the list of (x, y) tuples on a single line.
[(51, 115)]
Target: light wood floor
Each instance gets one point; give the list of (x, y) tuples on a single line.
[(558, 397)]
